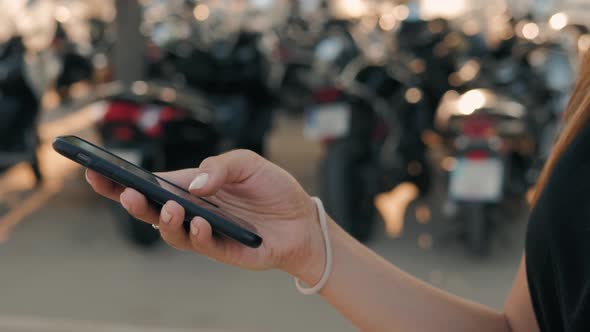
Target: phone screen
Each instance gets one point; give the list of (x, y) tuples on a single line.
[(164, 184)]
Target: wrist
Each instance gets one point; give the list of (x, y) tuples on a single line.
[(311, 263)]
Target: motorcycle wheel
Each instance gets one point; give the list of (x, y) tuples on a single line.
[(477, 229), (138, 232), (343, 178)]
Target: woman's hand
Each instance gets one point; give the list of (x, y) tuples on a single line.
[(250, 187), (365, 288)]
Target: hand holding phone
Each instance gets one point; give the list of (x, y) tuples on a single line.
[(245, 185), (156, 189)]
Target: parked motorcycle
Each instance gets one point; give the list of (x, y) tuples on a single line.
[(19, 109), (291, 57), (159, 128), (503, 115), (230, 69), (369, 119), (553, 64), (487, 137), (74, 67)]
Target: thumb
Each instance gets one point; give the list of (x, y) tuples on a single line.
[(231, 167)]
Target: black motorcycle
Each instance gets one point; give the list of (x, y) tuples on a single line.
[(292, 55), (500, 119), (19, 109), (75, 66), (232, 73), (488, 141), (369, 119)]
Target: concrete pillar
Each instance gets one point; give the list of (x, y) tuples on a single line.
[(128, 52)]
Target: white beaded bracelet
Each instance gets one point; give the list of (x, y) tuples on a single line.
[(328, 268)]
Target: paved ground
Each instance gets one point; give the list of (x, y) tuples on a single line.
[(65, 267)]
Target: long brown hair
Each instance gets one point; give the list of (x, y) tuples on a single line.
[(577, 115)]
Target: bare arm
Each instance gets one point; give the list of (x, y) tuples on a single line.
[(377, 296), (365, 288)]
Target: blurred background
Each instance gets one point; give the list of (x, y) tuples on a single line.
[(423, 125)]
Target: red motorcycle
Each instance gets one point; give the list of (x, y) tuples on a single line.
[(159, 128)]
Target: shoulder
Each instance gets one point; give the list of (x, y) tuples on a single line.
[(566, 194)]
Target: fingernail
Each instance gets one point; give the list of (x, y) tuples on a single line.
[(194, 228), (166, 216), (125, 206), (86, 176), (199, 182)]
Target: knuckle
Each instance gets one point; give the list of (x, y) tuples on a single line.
[(209, 161), (247, 154)]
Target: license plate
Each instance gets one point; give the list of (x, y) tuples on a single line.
[(131, 156), (328, 121), (477, 180)]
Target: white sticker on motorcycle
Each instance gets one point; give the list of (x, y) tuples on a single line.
[(477, 180), (327, 121)]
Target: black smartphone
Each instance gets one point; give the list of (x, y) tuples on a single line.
[(155, 188)]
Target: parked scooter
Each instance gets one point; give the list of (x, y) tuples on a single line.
[(159, 128), (487, 137), (369, 118), (291, 57), (553, 64), (503, 117), (19, 109), (74, 66), (232, 73)]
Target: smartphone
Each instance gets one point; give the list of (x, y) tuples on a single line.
[(156, 189)]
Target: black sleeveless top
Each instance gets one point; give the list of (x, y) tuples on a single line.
[(558, 244)]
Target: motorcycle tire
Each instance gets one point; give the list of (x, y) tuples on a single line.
[(477, 229), (342, 183), (139, 233)]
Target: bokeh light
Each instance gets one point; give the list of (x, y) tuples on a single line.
[(558, 21), (201, 12)]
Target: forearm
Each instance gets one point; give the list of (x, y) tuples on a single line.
[(377, 296)]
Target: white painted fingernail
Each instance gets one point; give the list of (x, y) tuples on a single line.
[(166, 216), (124, 204), (194, 228), (199, 182)]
